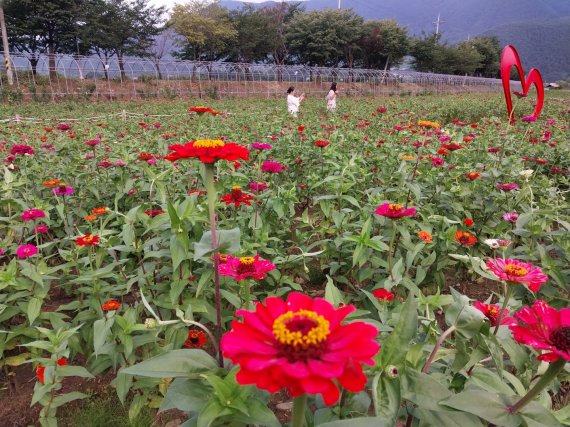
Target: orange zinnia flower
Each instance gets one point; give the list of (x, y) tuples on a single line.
[(200, 109), (51, 183), (425, 236), (99, 211), (111, 305), (89, 218), (465, 238)]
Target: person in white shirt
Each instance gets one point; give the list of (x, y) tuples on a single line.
[(331, 98), (293, 101)]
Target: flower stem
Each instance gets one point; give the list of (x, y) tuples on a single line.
[(246, 289), (299, 406), (546, 379), (391, 248), (508, 295), (436, 348), (212, 197)]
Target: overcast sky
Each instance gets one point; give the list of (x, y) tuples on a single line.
[(170, 3)]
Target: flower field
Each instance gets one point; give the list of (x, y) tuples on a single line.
[(403, 261)]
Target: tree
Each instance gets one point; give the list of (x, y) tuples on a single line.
[(251, 43), (121, 28), (163, 44), (383, 44), (489, 48), (280, 16), (464, 59), (429, 54), (42, 26), (325, 38), (206, 28)]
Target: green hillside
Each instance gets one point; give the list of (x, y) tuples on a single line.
[(544, 45)]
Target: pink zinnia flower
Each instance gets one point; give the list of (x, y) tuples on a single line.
[(394, 211), (272, 167), (511, 217), (261, 146), (300, 345), (508, 187), (511, 270), (26, 251), (257, 186), (245, 267), (493, 150), (544, 328), (20, 150), (33, 214), (529, 119), (92, 142), (437, 161), (492, 311)]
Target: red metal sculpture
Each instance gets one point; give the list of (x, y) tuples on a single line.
[(510, 58)]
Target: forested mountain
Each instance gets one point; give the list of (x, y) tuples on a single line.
[(540, 29)]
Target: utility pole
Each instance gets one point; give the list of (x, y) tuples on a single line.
[(437, 23), (7, 62), (339, 4)]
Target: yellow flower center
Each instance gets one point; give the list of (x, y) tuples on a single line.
[(301, 329), (247, 260), (395, 207), (208, 143), (516, 270), (236, 188), (493, 311)]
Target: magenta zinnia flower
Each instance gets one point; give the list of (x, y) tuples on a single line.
[(257, 186), (544, 328), (394, 211), (511, 270), (20, 150), (42, 229), (26, 251), (508, 187), (245, 267), (33, 214), (261, 146), (272, 167), (511, 217), (300, 345), (63, 190)]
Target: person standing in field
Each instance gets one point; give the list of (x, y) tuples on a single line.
[(331, 98), (293, 101)]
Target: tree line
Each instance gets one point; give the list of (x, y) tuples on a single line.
[(201, 30)]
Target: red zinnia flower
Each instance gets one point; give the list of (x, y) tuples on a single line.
[(321, 143), (196, 339), (544, 328), (40, 371), (111, 305), (394, 211), (245, 267), (208, 151), (383, 294), (301, 345), (145, 156), (200, 109), (87, 240), (492, 311), (468, 222), (511, 270), (472, 175), (237, 197), (154, 212), (465, 238), (62, 361)]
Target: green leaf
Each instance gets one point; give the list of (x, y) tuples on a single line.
[(176, 363), (34, 308), (492, 407), (210, 412), (468, 320), (186, 395), (136, 406), (358, 422), (101, 330), (259, 413), (387, 399), (332, 294), (394, 349), (228, 242), (66, 398), (73, 371)]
